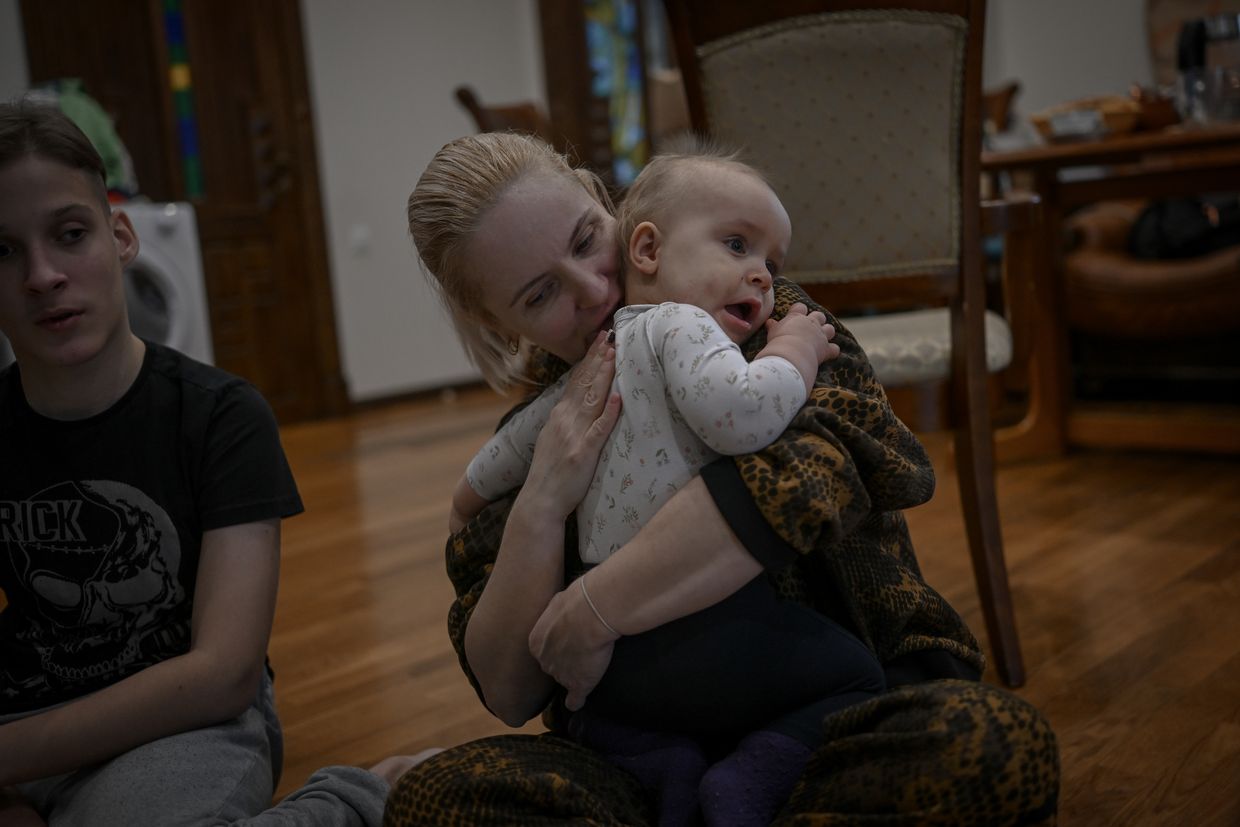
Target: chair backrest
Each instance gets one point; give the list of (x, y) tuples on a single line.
[(520, 117), (865, 117)]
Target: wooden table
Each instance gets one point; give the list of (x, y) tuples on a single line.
[(1169, 162)]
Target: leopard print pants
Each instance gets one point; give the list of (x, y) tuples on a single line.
[(942, 753)]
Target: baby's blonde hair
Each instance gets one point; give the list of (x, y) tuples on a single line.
[(460, 184), (664, 180)]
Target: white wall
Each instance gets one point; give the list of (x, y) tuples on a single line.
[(1061, 50), (13, 74), (13, 81), (382, 75)]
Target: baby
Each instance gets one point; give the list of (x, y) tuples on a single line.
[(705, 237)]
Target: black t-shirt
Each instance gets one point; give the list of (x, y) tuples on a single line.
[(101, 521)]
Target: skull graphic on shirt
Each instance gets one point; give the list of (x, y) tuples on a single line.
[(99, 561)]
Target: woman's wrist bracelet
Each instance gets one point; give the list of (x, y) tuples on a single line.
[(593, 608)]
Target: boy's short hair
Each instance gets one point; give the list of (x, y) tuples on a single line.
[(32, 127), (666, 176)]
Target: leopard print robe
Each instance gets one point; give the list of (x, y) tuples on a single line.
[(832, 489)]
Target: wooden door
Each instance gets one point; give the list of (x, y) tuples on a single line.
[(260, 218), (259, 214)]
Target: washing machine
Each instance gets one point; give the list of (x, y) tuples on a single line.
[(164, 286)]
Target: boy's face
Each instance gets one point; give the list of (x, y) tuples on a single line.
[(719, 249), (62, 256)]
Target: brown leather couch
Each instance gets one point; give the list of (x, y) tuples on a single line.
[(1111, 293), (1164, 330)]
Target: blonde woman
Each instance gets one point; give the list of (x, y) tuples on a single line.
[(524, 250)]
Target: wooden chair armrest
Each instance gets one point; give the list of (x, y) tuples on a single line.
[(1025, 273), (1015, 212)]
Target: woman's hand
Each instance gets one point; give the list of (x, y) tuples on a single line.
[(569, 445), (572, 644), (640, 587), (529, 566)]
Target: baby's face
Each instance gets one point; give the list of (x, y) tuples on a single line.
[(721, 247)]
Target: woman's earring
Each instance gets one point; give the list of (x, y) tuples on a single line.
[(514, 347)]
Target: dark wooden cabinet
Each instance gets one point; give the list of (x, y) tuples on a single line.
[(259, 212)]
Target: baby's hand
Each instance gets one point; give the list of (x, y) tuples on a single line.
[(806, 330), (804, 339), (466, 504)]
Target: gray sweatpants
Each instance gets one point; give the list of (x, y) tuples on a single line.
[(218, 775)]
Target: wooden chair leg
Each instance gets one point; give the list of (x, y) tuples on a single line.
[(974, 448), (975, 470)]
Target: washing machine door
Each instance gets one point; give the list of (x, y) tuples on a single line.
[(6, 352), (164, 288), (150, 297), (154, 296)]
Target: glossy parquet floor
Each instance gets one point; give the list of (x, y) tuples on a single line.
[(1125, 569)]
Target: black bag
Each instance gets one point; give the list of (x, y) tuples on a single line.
[(1186, 227)]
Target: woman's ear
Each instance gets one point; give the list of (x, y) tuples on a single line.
[(126, 237), (644, 248)]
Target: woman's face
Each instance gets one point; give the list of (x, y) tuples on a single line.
[(546, 256)]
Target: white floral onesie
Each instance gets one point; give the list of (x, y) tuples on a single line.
[(688, 396)]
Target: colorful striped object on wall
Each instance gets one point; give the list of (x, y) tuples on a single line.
[(616, 74), (183, 98)]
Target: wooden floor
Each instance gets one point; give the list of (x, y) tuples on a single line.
[(1125, 568)]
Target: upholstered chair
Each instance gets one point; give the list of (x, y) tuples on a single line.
[(866, 118)]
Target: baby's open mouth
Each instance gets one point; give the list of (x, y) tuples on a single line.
[(745, 311)]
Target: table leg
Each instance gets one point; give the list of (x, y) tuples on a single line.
[(1033, 263)]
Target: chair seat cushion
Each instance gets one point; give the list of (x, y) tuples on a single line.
[(915, 346)]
